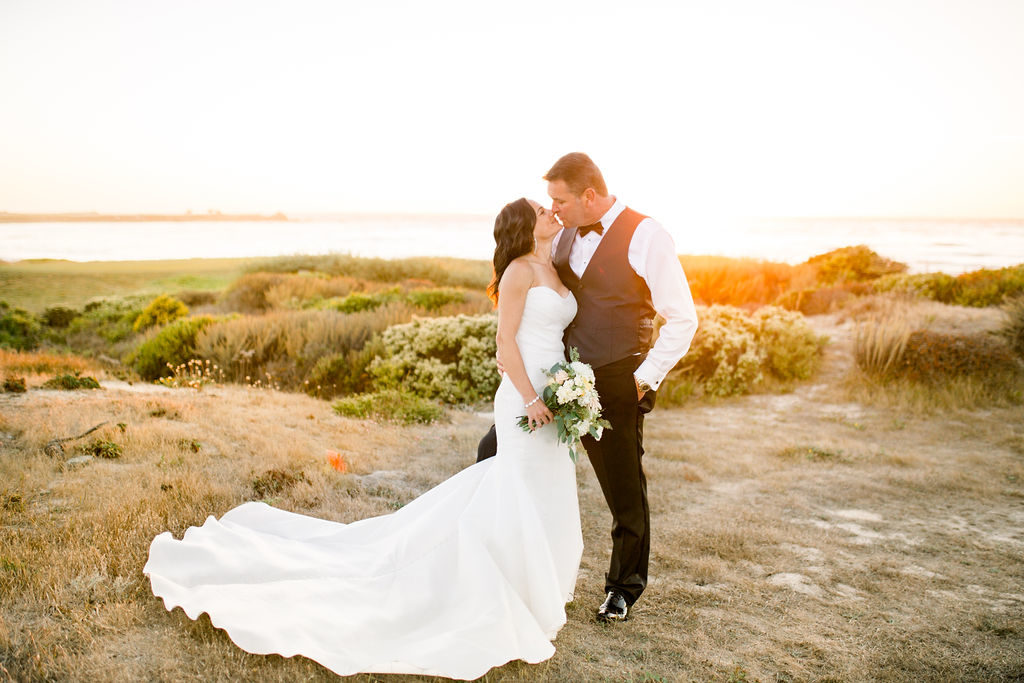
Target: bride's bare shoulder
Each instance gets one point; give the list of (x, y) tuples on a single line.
[(518, 275)]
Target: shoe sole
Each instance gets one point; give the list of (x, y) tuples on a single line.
[(608, 618)]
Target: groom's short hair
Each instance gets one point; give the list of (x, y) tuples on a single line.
[(579, 172)]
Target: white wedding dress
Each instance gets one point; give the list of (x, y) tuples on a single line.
[(472, 574)]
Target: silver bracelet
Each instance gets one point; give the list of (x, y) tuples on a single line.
[(536, 398)]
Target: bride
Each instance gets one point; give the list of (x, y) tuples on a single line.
[(472, 574)]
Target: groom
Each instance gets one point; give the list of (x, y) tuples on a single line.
[(623, 269)]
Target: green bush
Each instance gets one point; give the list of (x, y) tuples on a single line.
[(733, 352), (936, 286), (792, 350), (71, 382), (724, 355), (102, 448), (434, 299), (59, 316), (855, 264), (171, 346), (429, 299), (14, 385), (104, 325), (450, 358), (979, 288), (19, 330), (394, 405), (160, 311), (342, 373), (357, 302), (987, 287)]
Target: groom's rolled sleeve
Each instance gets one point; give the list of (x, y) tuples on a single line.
[(670, 294)]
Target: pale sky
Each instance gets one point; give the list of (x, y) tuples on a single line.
[(714, 108)]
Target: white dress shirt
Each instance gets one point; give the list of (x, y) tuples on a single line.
[(652, 256)]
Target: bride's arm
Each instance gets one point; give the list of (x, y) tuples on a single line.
[(515, 283)]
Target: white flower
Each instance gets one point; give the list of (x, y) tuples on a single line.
[(599, 430), (582, 370), (565, 394), (561, 376)]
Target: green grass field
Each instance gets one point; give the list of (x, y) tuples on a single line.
[(37, 284)]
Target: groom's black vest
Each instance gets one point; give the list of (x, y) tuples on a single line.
[(615, 318)]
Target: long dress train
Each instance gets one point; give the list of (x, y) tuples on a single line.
[(470, 575)]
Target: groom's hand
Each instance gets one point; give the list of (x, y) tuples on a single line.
[(639, 392), (501, 368)]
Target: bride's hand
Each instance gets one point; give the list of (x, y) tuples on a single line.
[(538, 415)]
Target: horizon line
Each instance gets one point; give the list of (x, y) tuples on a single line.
[(285, 216)]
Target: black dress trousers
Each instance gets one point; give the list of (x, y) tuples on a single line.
[(617, 461)]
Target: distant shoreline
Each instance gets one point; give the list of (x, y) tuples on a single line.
[(93, 217)]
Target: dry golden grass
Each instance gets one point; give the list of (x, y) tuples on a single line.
[(796, 537), (34, 366)]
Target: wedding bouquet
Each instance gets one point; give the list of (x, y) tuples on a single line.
[(571, 397)]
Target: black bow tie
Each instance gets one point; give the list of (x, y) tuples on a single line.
[(595, 227)]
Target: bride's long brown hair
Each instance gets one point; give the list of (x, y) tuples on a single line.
[(513, 237)]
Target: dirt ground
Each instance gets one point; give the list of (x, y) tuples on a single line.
[(796, 537)]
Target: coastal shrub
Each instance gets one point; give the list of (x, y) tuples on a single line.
[(160, 311), (435, 299), (14, 385), (858, 263), (18, 328), (724, 355), (936, 286), (343, 373), (105, 326), (248, 294), (741, 281), (71, 382), (823, 299), (197, 297), (935, 356), (393, 405), (101, 448), (357, 302), (979, 288), (59, 316), (1012, 329), (287, 345), (296, 291), (171, 346), (887, 349), (429, 299), (449, 358), (989, 287), (448, 272), (791, 347), (733, 352)]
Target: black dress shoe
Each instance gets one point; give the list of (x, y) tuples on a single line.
[(614, 608)]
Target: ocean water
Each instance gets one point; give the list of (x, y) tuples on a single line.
[(952, 246)]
